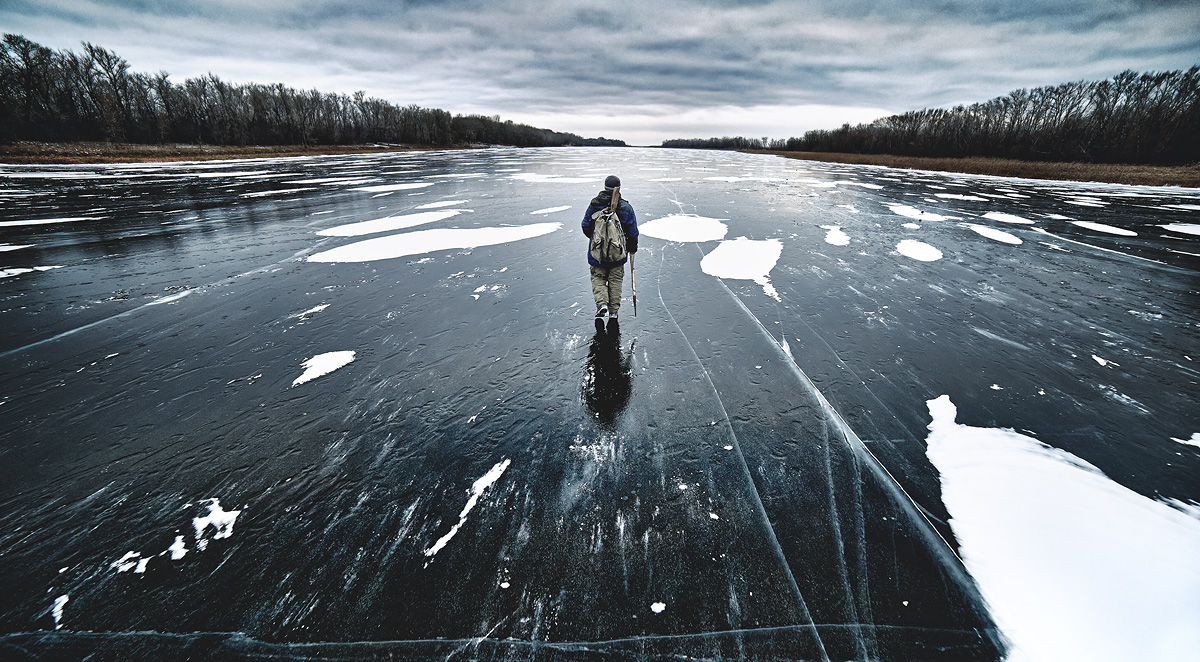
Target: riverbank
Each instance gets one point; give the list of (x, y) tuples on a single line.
[(1143, 175), (104, 152)]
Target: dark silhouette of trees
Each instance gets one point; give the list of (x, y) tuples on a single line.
[(64, 96), (1151, 118)]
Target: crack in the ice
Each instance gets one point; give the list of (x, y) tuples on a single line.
[(762, 511)]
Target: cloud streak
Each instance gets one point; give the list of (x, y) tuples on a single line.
[(633, 67)]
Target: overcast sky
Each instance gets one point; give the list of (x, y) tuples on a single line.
[(639, 71)]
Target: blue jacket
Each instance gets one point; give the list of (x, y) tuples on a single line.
[(628, 222)]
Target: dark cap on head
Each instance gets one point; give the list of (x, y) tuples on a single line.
[(612, 181)]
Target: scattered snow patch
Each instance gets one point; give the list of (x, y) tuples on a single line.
[(1194, 441), (658, 607), (474, 493), (323, 364), (1007, 218), (746, 259), (1185, 228), (59, 603), (220, 520), (835, 235), (685, 228), (1100, 227), (428, 241), (918, 250), (1073, 565), (992, 233), (550, 210), (913, 212)]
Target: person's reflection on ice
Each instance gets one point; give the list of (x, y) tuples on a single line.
[(607, 378)]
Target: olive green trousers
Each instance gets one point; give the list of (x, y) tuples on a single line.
[(606, 287)]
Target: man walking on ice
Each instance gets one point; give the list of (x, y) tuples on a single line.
[(611, 228)]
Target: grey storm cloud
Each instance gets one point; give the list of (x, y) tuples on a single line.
[(517, 57)]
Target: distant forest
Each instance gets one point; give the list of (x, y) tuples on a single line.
[(59, 96), (1150, 118)]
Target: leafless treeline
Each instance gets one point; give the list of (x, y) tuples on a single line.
[(65, 96), (1131, 118)]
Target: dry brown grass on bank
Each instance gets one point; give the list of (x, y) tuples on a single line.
[(1083, 172), (102, 152)]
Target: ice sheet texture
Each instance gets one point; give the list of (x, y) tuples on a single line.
[(1073, 565)]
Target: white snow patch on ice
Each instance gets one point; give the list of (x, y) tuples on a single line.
[(1073, 565), (912, 226), (993, 233), (746, 259), (13, 247), (1104, 362), (658, 607), (959, 196), (918, 250), (685, 228), (713, 516), (312, 311), (17, 271), (220, 520), (1007, 218), (1186, 207), (392, 187), (388, 224), (1085, 202), (835, 235), (1100, 227), (48, 221), (913, 212), (177, 549), (474, 493), (323, 364), (428, 241), (59, 603), (1058, 217), (1194, 441), (1185, 228), (169, 298), (443, 203), (127, 562), (551, 210)]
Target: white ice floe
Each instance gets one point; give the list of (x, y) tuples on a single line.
[(1104, 362), (1100, 227), (1072, 565), (391, 187), (474, 493), (551, 210), (835, 235), (17, 271), (1058, 217), (221, 522), (323, 364), (1194, 441), (428, 241), (1185, 207), (59, 603), (49, 221), (918, 250), (913, 212), (993, 233), (388, 224), (658, 607), (443, 203), (1007, 218), (1085, 202), (746, 259), (1184, 228), (13, 247), (959, 196), (685, 228)]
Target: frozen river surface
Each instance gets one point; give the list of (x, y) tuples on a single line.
[(356, 408)]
